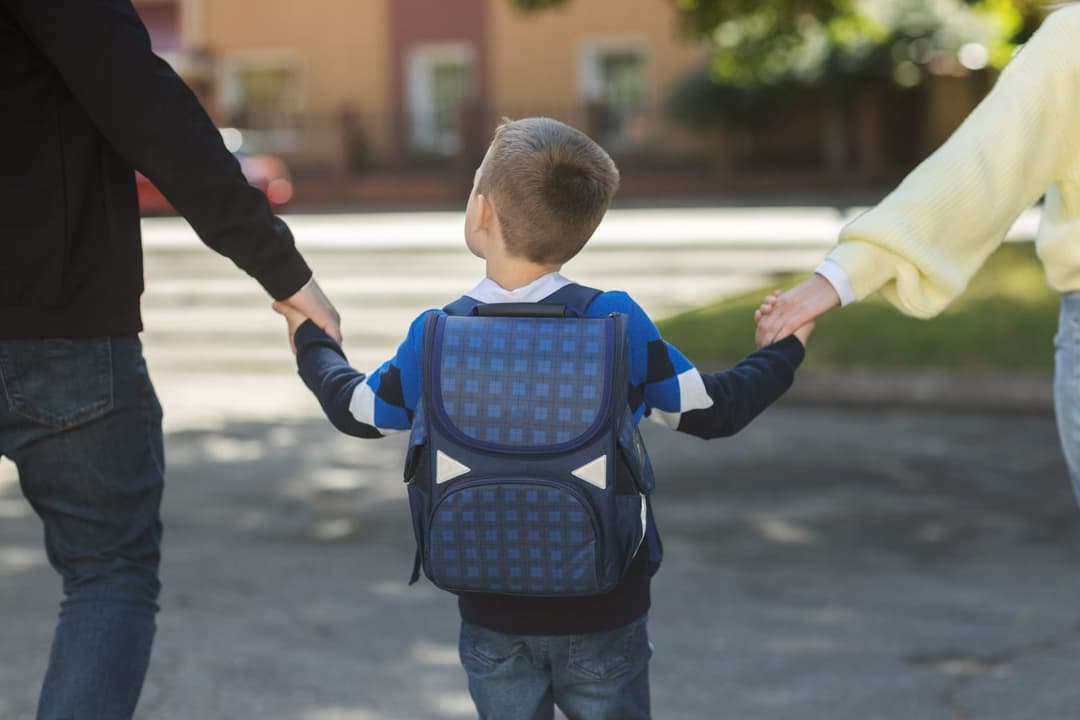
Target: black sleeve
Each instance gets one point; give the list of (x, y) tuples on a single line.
[(743, 392), (101, 50)]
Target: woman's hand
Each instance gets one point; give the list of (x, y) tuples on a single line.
[(784, 313)]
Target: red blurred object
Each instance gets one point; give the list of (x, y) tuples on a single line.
[(266, 172)]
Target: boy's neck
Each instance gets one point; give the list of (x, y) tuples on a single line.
[(513, 273)]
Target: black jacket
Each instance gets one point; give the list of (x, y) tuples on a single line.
[(84, 102)]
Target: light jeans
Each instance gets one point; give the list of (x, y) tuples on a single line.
[(1067, 384), (599, 676)]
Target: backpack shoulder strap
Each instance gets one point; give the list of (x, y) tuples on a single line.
[(464, 305), (576, 298)]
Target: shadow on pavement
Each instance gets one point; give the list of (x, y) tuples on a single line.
[(823, 564)]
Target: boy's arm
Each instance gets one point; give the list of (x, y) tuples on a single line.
[(366, 406), (740, 394), (707, 405)]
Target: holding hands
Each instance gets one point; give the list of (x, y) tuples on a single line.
[(772, 314), (791, 312), (309, 303)]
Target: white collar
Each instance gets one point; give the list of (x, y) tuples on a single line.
[(489, 291)]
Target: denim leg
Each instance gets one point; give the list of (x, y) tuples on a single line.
[(509, 676), (83, 426), (1067, 385), (604, 676)]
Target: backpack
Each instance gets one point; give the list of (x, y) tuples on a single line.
[(526, 471)]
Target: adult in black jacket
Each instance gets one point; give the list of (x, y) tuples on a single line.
[(83, 103)]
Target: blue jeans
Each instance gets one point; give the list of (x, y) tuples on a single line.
[(80, 420), (599, 676), (1067, 384)]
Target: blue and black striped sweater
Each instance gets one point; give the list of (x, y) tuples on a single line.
[(664, 386)]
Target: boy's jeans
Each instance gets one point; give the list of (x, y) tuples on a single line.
[(81, 422), (600, 676)]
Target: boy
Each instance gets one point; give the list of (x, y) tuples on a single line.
[(538, 196)]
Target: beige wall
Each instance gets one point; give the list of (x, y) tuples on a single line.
[(537, 58), (342, 47)]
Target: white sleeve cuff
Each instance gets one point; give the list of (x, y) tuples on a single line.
[(831, 271)]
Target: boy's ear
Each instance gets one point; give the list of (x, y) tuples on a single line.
[(486, 215)]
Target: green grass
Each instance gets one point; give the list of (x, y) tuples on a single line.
[(1005, 320)]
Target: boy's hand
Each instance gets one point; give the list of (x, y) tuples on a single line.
[(763, 311), (293, 317), (803, 333), (767, 306)]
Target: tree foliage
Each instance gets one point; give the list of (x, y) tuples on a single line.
[(533, 5), (849, 38), (766, 48)]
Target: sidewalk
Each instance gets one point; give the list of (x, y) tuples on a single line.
[(761, 227)]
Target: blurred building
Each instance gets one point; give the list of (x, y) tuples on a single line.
[(392, 101)]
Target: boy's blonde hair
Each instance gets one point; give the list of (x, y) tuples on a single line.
[(550, 186)]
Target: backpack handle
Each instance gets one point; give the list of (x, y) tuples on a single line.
[(520, 310), (572, 300)]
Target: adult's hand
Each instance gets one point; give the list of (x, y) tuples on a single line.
[(311, 302), (802, 304)]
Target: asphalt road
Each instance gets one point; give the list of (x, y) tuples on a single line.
[(831, 565)]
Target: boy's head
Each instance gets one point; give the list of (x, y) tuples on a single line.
[(548, 187)]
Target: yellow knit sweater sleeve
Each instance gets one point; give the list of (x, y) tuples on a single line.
[(921, 244)]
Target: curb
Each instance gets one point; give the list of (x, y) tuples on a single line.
[(962, 391)]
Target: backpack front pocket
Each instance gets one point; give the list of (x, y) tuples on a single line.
[(525, 536)]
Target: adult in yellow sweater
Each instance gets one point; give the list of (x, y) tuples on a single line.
[(921, 244)]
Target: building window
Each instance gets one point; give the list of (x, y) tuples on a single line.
[(261, 95), (440, 82), (614, 80)]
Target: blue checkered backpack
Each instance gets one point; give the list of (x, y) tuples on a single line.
[(526, 472)]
